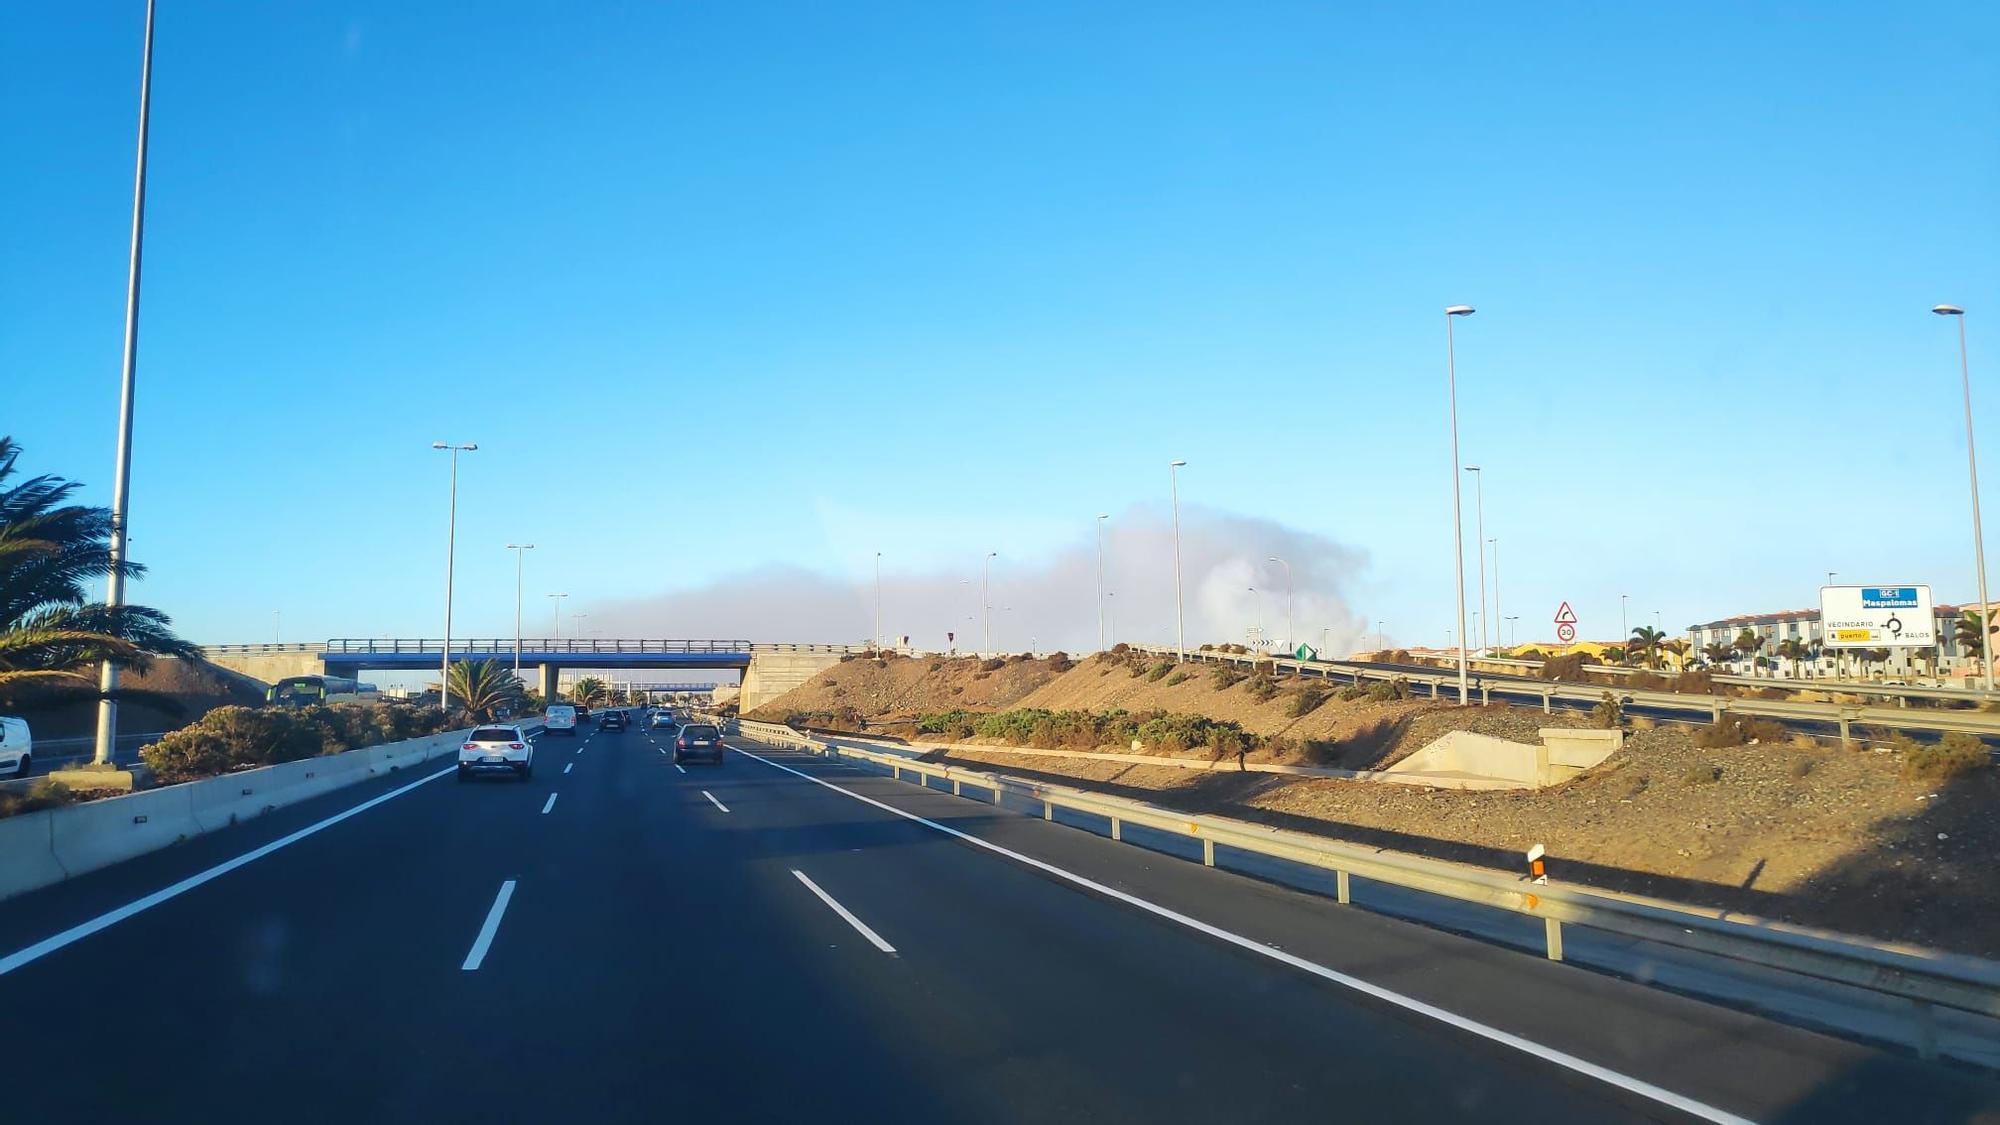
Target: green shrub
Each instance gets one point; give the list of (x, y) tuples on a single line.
[(1352, 692), (1954, 755), (1139, 668), (1121, 648), (43, 794), (1562, 667), (1308, 699), (1702, 775), (1177, 678), (1160, 671), (233, 738), (1734, 731), (1261, 687), (1224, 676), (1608, 713), (1387, 691), (1060, 662), (992, 664)]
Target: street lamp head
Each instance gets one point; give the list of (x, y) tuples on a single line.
[(1176, 464), (1458, 310), (470, 446), (1947, 310), (439, 445), (1472, 468), (1103, 516)]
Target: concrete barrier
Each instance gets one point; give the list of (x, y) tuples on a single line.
[(98, 834), (27, 859), (1571, 750)]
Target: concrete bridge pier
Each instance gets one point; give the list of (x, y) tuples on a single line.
[(549, 677)]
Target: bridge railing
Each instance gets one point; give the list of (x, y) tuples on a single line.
[(375, 646)]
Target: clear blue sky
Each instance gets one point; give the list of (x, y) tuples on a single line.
[(723, 285)]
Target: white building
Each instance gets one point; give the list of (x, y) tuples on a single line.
[(1803, 625)]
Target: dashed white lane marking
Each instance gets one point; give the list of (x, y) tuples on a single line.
[(484, 941), (569, 767), (680, 767), (857, 923), (712, 800), (550, 805)]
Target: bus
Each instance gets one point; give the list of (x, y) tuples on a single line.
[(305, 691)]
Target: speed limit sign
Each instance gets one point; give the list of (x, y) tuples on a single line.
[(1565, 624)]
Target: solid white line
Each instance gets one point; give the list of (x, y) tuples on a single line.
[(550, 805), (680, 767), (1562, 1059), (83, 930), (712, 800), (569, 767), (484, 941), (857, 923)]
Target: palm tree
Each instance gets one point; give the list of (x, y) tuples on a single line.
[(1678, 649), (1748, 644), (1718, 653), (51, 637), (485, 687), (1646, 642), (589, 691), (1794, 650), (1613, 654)]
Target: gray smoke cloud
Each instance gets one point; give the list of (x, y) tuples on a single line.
[(1048, 602)]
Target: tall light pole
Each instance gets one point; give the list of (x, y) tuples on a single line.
[(1290, 645), (121, 478), (1259, 603), (557, 600), (520, 553), (1180, 618), (878, 600), (1479, 507), (986, 600), (1100, 580), (450, 557), (1111, 603), (1494, 545), (1457, 510), (1624, 633), (277, 624), (1829, 576), (1512, 634), (1972, 466)]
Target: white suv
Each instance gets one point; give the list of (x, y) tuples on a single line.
[(17, 748), (496, 749)]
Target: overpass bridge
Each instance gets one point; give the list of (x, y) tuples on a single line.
[(768, 670)]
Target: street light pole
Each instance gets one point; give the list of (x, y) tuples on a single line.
[(1111, 603), (1494, 544), (557, 600), (450, 558), (520, 554), (121, 479), (986, 600), (1259, 603), (1290, 643), (1479, 507), (1100, 581), (1972, 466), (1180, 618), (1457, 509), (878, 600), (1624, 633)]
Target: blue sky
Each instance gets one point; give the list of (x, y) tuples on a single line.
[(720, 288)]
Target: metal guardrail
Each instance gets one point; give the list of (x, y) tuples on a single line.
[(1784, 683), (1840, 715), (1925, 978)]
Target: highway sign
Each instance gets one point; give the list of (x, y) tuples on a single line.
[(1566, 633), (1565, 615), (1877, 617)]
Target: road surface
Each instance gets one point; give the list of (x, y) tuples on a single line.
[(781, 937)]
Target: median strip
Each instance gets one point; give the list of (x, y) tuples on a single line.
[(477, 956), (845, 913)]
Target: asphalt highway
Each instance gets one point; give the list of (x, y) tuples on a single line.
[(780, 938)]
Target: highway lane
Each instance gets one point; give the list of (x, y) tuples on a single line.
[(659, 956)]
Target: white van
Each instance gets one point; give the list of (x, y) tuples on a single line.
[(17, 747), (562, 719)]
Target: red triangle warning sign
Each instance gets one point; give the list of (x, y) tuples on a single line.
[(1565, 615)]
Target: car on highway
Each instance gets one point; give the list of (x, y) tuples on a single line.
[(496, 749), (664, 720), (561, 719), (611, 720), (699, 740), (17, 747)]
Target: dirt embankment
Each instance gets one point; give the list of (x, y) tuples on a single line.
[(893, 687), (168, 695), (1792, 831)]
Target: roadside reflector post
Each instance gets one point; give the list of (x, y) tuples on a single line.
[(954, 788), (1716, 709), (1538, 874), (1115, 834), (1207, 852), (1547, 696), (1340, 887)]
